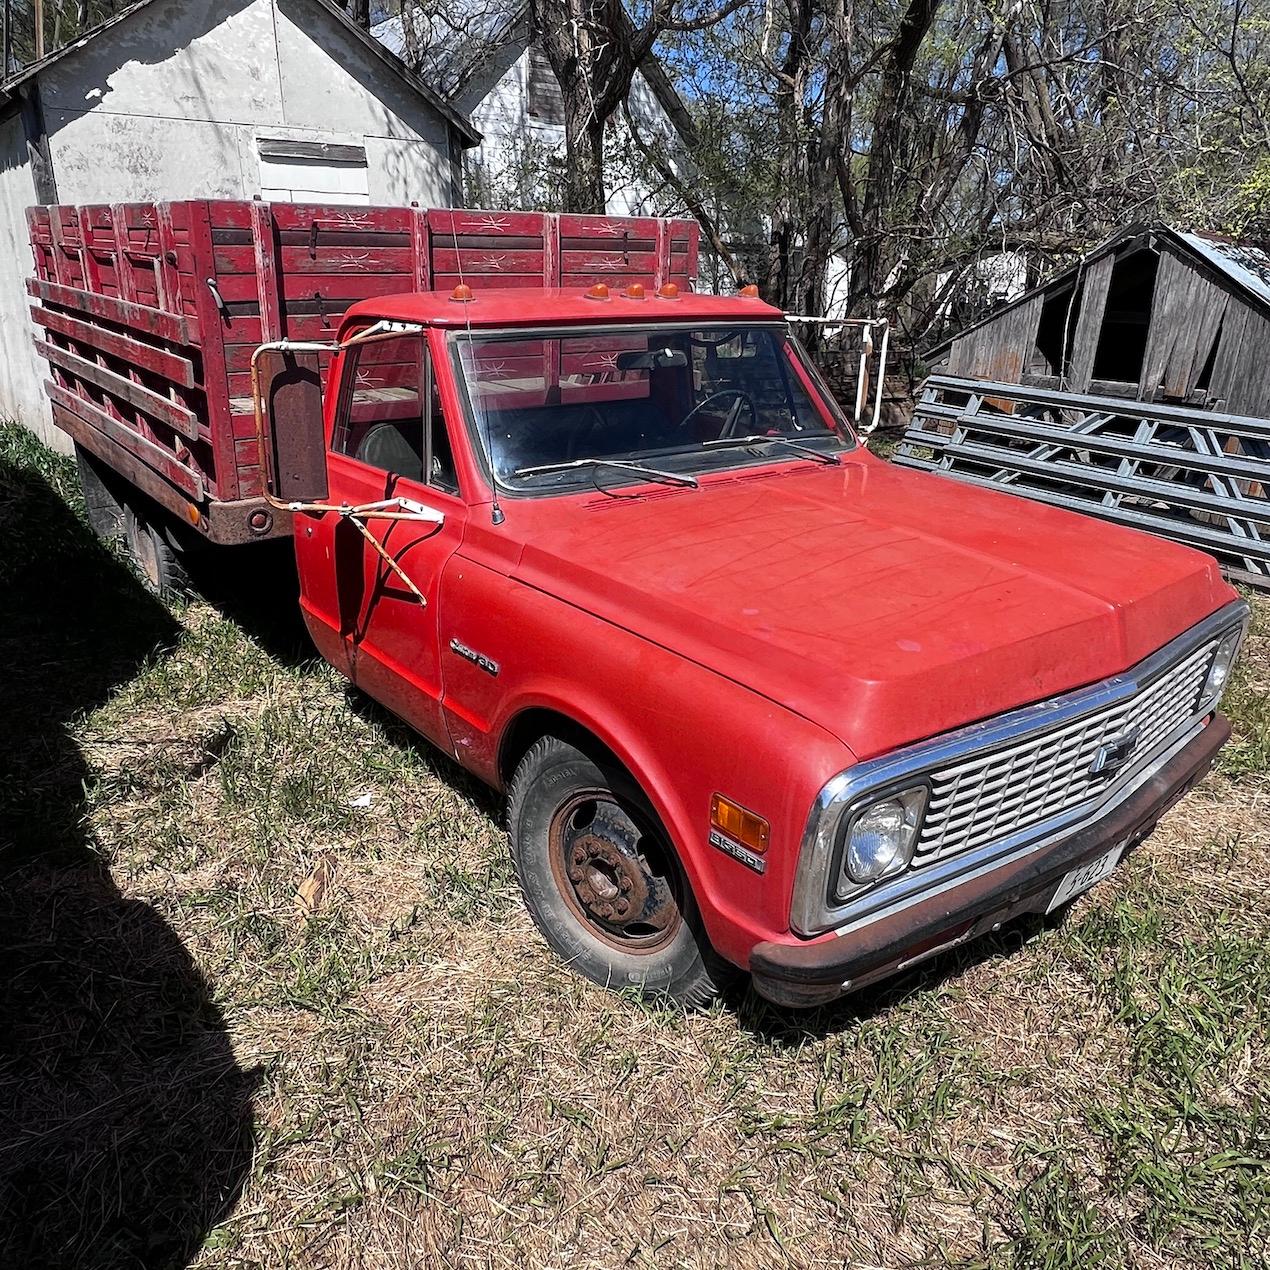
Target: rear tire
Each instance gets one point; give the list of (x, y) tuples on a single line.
[(601, 880), (157, 561), (101, 502)]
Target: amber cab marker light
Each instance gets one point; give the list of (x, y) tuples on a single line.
[(462, 293), (668, 291), (598, 292), (750, 291), (635, 291), (740, 825)]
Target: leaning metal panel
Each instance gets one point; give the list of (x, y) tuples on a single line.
[(1195, 476)]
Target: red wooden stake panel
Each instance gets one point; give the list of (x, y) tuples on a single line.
[(147, 313)]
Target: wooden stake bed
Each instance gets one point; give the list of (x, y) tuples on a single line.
[(147, 314)]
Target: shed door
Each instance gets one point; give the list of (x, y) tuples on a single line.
[(313, 172)]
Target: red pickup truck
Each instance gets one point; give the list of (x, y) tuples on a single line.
[(758, 699)]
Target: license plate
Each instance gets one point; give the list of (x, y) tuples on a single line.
[(1082, 879)]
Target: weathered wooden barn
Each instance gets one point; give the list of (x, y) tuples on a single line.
[(1151, 313), (1134, 386)]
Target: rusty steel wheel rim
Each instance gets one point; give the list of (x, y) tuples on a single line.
[(615, 873)]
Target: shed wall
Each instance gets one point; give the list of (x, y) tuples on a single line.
[(1186, 317), (21, 374), (172, 102), (180, 114)]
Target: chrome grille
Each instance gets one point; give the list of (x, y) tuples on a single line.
[(988, 796)]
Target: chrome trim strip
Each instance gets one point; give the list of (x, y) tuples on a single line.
[(811, 910)]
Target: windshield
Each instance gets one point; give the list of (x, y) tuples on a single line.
[(562, 411)]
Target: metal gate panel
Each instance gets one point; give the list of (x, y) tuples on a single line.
[(1195, 476)]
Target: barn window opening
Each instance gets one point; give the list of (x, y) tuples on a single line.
[(1056, 330), (313, 172), (1204, 382), (1122, 342)]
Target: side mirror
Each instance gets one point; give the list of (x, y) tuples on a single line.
[(295, 465)]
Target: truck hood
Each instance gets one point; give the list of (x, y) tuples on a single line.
[(884, 605)]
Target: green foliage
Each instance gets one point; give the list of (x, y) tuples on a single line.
[(64, 22), (1034, 128)]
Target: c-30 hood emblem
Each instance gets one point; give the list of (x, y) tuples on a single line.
[(1114, 754)]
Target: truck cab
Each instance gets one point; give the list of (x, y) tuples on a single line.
[(759, 701)]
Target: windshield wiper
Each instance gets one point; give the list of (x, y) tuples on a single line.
[(818, 455), (653, 473)]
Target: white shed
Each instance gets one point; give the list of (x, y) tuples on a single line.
[(287, 99), (484, 56)]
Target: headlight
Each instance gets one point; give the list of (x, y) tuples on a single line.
[(1219, 669), (880, 838)]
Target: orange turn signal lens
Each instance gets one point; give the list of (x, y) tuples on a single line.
[(668, 291), (462, 293), (740, 825), (598, 292), (750, 291), (635, 291)]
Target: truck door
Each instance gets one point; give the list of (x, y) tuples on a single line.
[(388, 439)]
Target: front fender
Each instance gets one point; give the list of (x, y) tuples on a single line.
[(683, 731)]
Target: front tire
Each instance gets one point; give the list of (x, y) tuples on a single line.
[(601, 880)]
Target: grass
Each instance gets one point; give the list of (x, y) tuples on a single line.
[(194, 1069)]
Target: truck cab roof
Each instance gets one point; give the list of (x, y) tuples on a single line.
[(520, 306)]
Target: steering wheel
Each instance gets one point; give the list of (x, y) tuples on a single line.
[(743, 398), (576, 437)]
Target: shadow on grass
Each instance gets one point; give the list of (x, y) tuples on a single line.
[(488, 801), (125, 1122), (257, 588)]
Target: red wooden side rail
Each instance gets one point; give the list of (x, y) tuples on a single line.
[(148, 314)]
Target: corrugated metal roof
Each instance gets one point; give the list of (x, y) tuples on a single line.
[(1244, 263)]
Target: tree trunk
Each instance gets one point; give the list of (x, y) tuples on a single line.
[(875, 253), (789, 206), (584, 145)]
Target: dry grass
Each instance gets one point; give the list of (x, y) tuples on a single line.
[(194, 1069)]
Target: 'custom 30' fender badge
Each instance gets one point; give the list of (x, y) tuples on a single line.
[(487, 664), (739, 853)]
